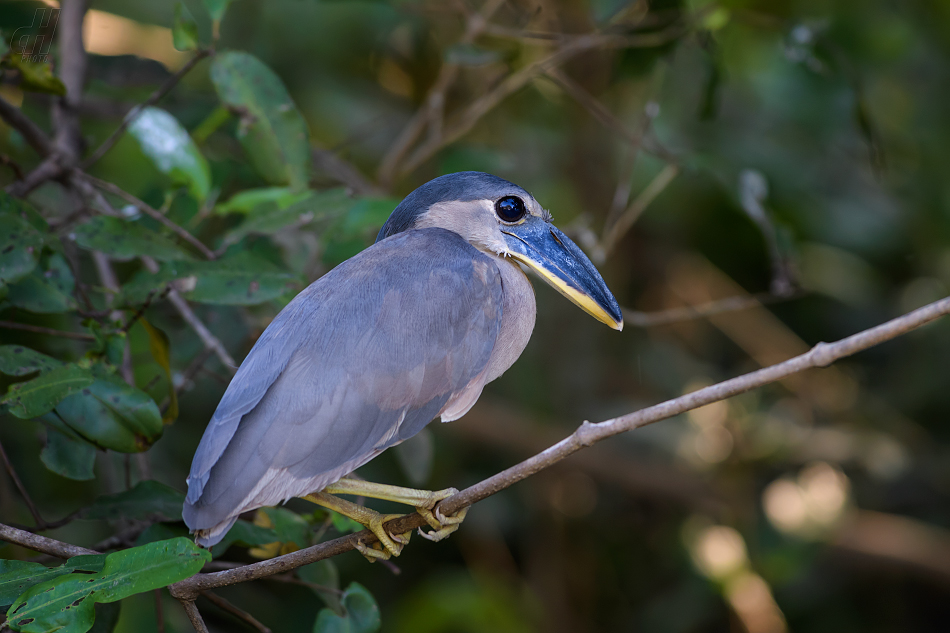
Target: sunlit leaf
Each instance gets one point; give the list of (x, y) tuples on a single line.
[(184, 29), (272, 130), (147, 500), (292, 530), (66, 604), (122, 239), (36, 75), (47, 289), (361, 613), (17, 576), (250, 199), (174, 153), (38, 396), (112, 414)]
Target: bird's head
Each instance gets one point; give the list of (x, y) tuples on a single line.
[(502, 219)]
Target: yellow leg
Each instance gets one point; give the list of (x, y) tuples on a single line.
[(422, 500), (390, 544)]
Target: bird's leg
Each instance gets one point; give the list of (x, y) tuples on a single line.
[(390, 544), (424, 501)]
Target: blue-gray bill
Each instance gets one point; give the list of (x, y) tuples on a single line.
[(555, 258)]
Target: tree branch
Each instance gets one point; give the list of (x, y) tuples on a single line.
[(626, 221), (821, 355), (703, 310), (226, 605), (31, 132), (153, 98), (43, 544), (79, 336), (37, 518), (194, 615)]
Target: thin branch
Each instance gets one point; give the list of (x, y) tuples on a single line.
[(42, 544), (234, 610), (194, 615), (821, 355), (30, 131), (626, 221), (701, 311), (210, 340), (40, 523), (79, 336), (49, 169), (153, 98), (149, 211)]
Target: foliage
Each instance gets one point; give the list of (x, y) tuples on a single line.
[(791, 151)]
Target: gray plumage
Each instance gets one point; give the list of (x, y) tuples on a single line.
[(408, 330)]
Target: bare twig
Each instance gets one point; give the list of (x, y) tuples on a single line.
[(821, 355), (79, 336), (72, 72), (40, 523), (149, 211), (30, 131), (210, 341), (39, 543), (627, 219), (153, 98), (234, 610), (194, 615), (159, 611), (49, 169), (434, 103)]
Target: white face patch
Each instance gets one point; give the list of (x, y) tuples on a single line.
[(475, 221)]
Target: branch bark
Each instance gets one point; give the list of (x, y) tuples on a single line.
[(821, 355)]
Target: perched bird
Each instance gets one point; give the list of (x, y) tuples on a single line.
[(408, 330)]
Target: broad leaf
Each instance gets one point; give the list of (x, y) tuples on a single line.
[(112, 414), (147, 500), (16, 360), (122, 239), (269, 219), (160, 347), (67, 604), (47, 289), (173, 152), (38, 396), (67, 454), (272, 130), (184, 29), (324, 579), (36, 76), (292, 530), (240, 279), (361, 613), (20, 246), (249, 200), (17, 576)]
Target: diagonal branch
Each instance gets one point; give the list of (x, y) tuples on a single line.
[(149, 211), (821, 355), (153, 98), (23, 124)]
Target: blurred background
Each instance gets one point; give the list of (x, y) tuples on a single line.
[(750, 177)]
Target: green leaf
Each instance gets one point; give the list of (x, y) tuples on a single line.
[(272, 130), (17, 576), (69, 456), (20, 246), (239, 279), (66, 604), (361, 613), (38, 396), (356, 229), (122, 239), (246, 534), (160, 347), (343, 524), (112, 414), (36, 76), (161, 532), (289, 526), (185, 29), (46, 290), (216, 8), (24, 210), (248, 200), (16, 360), (174, 153), (324, 579), (147, 500), (415, 457), (268, 219)]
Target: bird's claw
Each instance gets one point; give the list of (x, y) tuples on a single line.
[(442, 526)]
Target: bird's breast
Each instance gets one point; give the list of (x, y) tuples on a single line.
[(517, 321)]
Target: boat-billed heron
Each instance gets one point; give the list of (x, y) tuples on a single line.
[(409, 330)]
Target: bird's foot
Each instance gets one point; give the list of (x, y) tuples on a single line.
[(379, 551), (390, 544), (442, 526)]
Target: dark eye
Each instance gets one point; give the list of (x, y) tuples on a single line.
[(510, 208)]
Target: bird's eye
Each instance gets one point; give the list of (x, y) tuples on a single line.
[(510, 208)]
